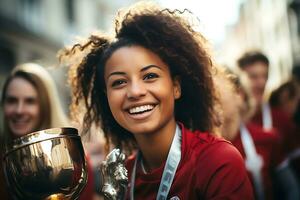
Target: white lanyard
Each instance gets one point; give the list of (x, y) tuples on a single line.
[(253, 161), (266, 116), (171, 165)]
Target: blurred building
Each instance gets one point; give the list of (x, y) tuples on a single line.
[(34, 30), (270, 26), (294, 22)]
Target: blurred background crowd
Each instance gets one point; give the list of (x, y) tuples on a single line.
[(34, 30)]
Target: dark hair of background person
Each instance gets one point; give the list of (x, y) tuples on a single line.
[(289, 87), (169, 36), (252, 57)]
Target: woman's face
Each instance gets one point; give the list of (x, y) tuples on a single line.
[(140, 90), (21, 107)]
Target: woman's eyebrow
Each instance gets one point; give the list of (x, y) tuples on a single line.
[(143, 69), (150, 66), (116, 73)]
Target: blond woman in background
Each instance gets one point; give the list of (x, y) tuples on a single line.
[(30, 102)]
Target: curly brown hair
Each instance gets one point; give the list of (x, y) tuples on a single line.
[(169, 35)]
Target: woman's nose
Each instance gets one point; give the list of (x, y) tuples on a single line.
[(20, 107), (136, 90)]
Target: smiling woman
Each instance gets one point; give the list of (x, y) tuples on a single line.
[(30, 102), (21, 107), (150, 88)]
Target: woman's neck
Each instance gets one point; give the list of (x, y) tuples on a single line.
[(155, 146)]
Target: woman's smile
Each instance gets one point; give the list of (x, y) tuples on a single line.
[(141, 112)]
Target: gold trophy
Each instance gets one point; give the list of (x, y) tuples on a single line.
[(46, 165)]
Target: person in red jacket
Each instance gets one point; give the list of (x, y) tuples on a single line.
[(256, 65), (284, 101), (150, 88), (261, 149), (277, 113), (267, 114)]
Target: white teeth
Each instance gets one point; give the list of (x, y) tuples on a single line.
[(140, 109)]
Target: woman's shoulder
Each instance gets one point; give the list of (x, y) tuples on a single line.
[(204, 139), (218, 166), (210, 147)]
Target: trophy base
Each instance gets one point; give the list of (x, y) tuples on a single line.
[(57, 197)]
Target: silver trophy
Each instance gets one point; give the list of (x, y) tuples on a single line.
[(114, 176), (48, 164)]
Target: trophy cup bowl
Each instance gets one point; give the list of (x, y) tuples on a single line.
[(47, 164)]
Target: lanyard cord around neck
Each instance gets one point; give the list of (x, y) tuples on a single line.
[(254, 161), (266, 116), (170, 168)]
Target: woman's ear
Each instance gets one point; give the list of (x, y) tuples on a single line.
[(177, 87)]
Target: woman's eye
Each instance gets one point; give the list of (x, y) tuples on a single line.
[(150, 76), (31, 101), (10, 100), (118, 83)]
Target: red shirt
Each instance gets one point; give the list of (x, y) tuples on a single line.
[(284, 125), (210, 168), (266, 145)]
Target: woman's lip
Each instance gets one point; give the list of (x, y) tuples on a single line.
[(141, 116)]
